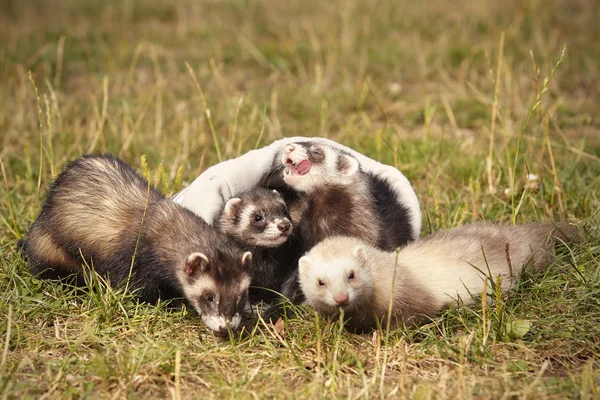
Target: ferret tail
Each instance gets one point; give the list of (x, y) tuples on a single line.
[(547, 236), (558, 233)]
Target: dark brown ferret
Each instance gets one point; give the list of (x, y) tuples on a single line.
[(100, 212), (259, 221)]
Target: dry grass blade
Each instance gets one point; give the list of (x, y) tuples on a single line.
[(7, 338), (490, 158), (15, 230)]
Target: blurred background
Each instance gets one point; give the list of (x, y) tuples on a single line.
[(188, 83)]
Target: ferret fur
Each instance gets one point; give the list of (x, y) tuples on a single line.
[(96, 211), (424, 276), (337, 198), (259, 221)]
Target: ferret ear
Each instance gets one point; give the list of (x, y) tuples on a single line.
[(195, 264), (304, 263), (360, 253), (247, 260), (347, 165), (279, 197), (231, 206)]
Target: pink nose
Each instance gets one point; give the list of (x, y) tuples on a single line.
[(289, 148), (341, 298)]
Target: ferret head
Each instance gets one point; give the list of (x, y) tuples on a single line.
[(335, 275), (256, 218), (216, 285), (309, 165)]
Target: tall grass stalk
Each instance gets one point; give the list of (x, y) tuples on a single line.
[(524, 126)]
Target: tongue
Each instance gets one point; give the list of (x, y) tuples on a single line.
[(303, 167)]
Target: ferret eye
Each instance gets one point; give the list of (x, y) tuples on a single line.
[(351, 276), (258, 218), (317, 154), (209, 297), (321, 283)]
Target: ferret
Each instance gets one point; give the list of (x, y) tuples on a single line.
[(424, 276), (100, 212), (338, 198), (259, 221)]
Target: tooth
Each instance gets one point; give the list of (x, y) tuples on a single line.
[(286, 171)]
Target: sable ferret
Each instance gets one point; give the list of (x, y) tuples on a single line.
[(259, 221), (337, 198), (424, 276), (99, 211)]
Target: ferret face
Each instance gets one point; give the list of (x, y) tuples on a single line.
[(330, 284), (309, 165), (257, 218), (219, 292)]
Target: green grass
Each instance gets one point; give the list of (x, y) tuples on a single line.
[(412, 84)]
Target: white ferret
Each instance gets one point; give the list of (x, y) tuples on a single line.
[(424, 276)]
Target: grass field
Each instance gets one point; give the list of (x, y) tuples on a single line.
[(466, 98)]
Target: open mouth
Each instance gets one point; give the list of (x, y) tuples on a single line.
[(301, 168)]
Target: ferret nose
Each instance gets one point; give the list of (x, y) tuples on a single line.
[(341, 298), (288, 148), (283, 226), (224, 328), (222, 331)]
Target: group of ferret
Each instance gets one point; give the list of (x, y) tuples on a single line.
[(331, 236)]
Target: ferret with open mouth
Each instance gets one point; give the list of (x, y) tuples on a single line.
[(338, 198)]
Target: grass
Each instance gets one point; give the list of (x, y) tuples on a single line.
[(452, 93)]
